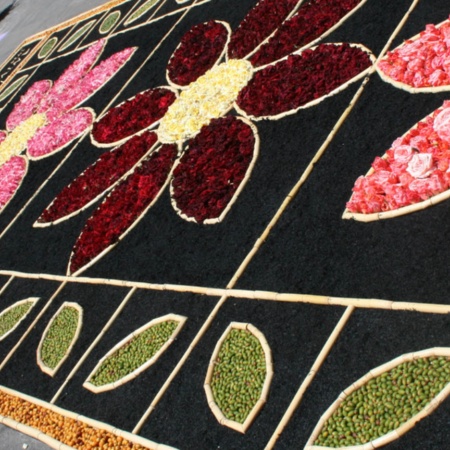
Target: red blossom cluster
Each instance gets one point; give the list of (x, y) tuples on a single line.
[(133, 115), (314, 73), (414, 169), (423, 62), (213, 167), (313, 18), (197, 52)]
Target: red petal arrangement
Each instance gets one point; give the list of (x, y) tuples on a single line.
[(259, 24), (132, 116), (414, 169), (123, 207), (198, 51), (212, 168), (300, 79), (98, 178), (421, 62), (314, 18)]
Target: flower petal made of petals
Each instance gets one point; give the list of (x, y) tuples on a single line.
[(12, 173)]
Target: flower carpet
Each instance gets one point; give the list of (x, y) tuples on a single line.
[(224, 225)]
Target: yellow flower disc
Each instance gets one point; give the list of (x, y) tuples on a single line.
[(17, 140), (209, 97)]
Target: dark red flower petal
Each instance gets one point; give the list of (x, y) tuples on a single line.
[(259, 24), (211, 172), (122, 208), (312, 20), (198, 51), (300, 79), (132, 116), (97, 179)]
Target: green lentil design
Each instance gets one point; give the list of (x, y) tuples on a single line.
[(239, 374), (59, 336), (134, 353), (385, 402), (9, 319)]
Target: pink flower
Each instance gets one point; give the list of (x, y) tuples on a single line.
[(442, 124), (420, 165)]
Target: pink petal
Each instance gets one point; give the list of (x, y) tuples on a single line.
[(213, 170), (3, 135), (97, 179), (260, 22), (28, 103), (11, 176), (200, 48), (302, 80), (59, 133), (123, 208), (135, 114)]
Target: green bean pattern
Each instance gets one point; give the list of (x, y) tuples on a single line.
[(134, 353), (141, 11), (59, 336), (385, 402), (10, 318), (239, 374)]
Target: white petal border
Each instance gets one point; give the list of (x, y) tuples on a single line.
[(402, 429), (41, 364), (108, 387), (241, 427), (34, 300)]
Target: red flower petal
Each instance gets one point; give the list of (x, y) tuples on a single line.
[(299, 80), (123, 207), (200, 48), (28, 103), (59, 133), (132, 116), (97, 179), (313, 19), (11, 175), (259, 24), (213, 170)]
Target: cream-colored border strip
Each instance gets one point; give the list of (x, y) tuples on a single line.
[(310, 377), (241, 427), (107, 387), (5, 286), (41, 364), (395, 434), (93, 344), (365, 303), (32, 300), (71, 415), (30, 328)]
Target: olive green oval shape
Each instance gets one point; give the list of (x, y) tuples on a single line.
[(109, 22), (47, 47), (239, 374), (385, 402), (75, 36), (12, 87), (13, 315), (60, 336), (134, 352), (141, 11)]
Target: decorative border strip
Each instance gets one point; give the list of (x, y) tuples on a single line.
[(41, 364), (395, 434), (38, 434), (108, 387), (241, 427), (34, 300)]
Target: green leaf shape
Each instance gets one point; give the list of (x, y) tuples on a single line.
[(13, 315), (75, 36), (135, 352), (12, 87), (47, 48), (239, 374), (141, 11), (385, 402), (109, 22), (60, 336)]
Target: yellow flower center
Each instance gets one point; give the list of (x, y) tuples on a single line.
[(209, 97), (17, 140)]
